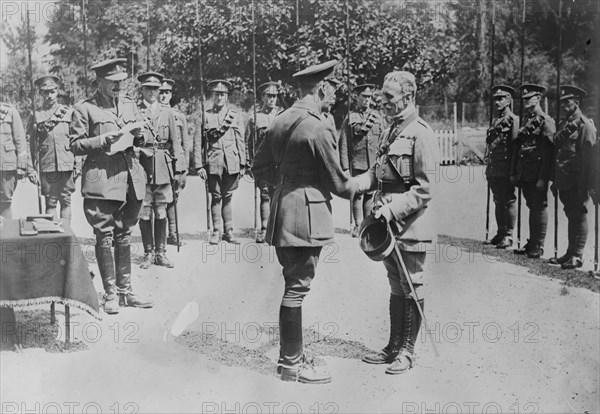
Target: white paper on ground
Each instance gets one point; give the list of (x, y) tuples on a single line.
[(188, 315)]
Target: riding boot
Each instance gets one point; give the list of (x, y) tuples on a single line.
[(106, 266), (160, 240), (412, 323), (148, 242), (294, 365), (390, 352)]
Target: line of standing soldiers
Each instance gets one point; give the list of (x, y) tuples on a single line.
[(530, 157)]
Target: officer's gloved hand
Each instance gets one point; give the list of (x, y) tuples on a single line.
[(202, 173), (383, 210), (182, 181), (32, 177)]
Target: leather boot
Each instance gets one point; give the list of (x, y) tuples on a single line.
[(294, 365), (123, 261), (536, 251), (390, 352), (160, 240), (560, 260), (505, 243), (260, 237), (215, 237), (573, 262), (494, 240), (229, 238), (412, 323), (524, 249), (148, 242), (134, 301), (106, 266)]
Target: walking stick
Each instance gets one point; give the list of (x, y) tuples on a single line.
[(257, 229), (487, 205), (413, 292), (596, 238), (558, 62), (203, 138)]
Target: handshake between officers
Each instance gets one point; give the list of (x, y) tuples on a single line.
[(299, 156)]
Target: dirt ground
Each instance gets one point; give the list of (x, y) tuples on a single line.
[(513, 336)]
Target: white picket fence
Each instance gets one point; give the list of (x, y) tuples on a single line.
[(448, 146)]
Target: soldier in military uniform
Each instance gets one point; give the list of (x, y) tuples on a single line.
[(403, 174), (164, 96), (15, 162), (532, 166), (161, 148), (573, 172), (225, 161), (359, 139), (48, 132), (500, 141), (113, 183), (300, 146), (264, 118)]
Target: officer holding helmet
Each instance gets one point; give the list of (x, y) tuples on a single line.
[(407, 158)]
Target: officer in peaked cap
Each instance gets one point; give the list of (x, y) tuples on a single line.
[(165, 95), (225, 161), (403, 175), (532, 165), (573, 172), (501, 137), (298, 143), (358, 146), (113, 184), (48, 132), (254, 135), (164, 162)]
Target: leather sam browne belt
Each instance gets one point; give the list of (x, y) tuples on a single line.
[(392, 187)]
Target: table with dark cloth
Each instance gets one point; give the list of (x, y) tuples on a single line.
[(44, 269)]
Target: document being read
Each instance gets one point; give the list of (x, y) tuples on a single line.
[(126, 140)]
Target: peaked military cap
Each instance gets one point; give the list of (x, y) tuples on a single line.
[(315, 73), (530, 89), (167, 84), (111, 69), (366, 88), (46, 83), (220, 85), (571, 92), (150, 79), (270, 87), (503, 90)]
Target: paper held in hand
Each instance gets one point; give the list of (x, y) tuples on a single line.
[(126, 140)]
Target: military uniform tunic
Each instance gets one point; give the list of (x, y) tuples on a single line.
[(161, 149), (13, 155), (501, 137), (49, 130), (225, 160), (403, 176), (300, 221), (360, 153), (573, 175), (532, 161)]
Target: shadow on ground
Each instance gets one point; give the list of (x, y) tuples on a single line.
[(235, 355)]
